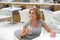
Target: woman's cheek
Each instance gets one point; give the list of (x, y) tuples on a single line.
[(30, 18)]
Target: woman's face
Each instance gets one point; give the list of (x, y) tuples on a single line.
[(32, 15)]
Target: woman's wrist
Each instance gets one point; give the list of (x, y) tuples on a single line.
[(52, 32)]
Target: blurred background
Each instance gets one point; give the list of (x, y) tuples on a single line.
[(38, 1), (15, 13)]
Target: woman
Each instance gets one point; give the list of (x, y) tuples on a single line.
[(32, 29)]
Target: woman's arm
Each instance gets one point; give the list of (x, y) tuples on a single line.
[(49, 30), (46, 27), (24, 32)]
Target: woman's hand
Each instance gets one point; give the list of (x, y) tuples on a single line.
[(22, 35), (25, 33), (53, 34)]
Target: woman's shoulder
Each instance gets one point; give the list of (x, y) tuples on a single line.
[(41, 21), (27, 23)]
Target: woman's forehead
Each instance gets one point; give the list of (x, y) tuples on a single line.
[(32, 11)]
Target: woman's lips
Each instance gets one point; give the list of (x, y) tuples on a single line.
[(31, 16)]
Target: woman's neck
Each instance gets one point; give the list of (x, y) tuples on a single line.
[(35, 20), (34, 23)]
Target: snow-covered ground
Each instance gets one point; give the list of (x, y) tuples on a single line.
[(7, 30)]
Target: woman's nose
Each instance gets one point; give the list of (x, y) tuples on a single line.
[(30, 14)]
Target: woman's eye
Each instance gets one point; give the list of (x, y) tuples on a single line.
[(32, 13)]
